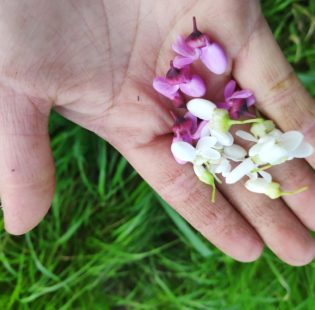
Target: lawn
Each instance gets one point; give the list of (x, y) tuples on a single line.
[(109, 242)]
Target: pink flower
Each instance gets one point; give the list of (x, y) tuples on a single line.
[(198, 46), (188, 129), (177, 82), (236, 102)]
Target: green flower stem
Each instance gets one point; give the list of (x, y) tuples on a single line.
[(248, 121), (213, 194), (300, 190), (262, 168)]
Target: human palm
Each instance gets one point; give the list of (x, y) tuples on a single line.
[(94, 63)]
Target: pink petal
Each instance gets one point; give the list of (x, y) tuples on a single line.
[(229, 89), (181, 48), (214, 58), (195, 88), (242, 94), (197, 133), (181, 61), (251, 101), (193, 119), (161, 85), (224, 105), (178, 100)]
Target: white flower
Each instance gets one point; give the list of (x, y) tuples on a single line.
[(202, 153), (269, 188), (276, 147), (219, 119), (244, 168)]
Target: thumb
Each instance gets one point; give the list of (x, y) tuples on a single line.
[(27, 179)]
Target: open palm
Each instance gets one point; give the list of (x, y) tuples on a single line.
[(94, 62)]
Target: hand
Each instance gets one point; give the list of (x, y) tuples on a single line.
[(94, 62)]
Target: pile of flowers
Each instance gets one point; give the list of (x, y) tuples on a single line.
[(202, 134)]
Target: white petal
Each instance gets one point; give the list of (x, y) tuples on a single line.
[(199, 160), (245, 135), (267, 176), (199, 170), (267, 139), (206, 142), (235, 152), (304, 150), (211, 154), (201, 108), (224, 138), (276, 133), (255, 149), (240, 171), (273, 154), (183, 151), (223, 167), (259, 185), (253, 175), (205, 131), (291, 140)]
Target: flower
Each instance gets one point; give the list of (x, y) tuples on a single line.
[(236, 102), (208, 158), (275, 147), (246, 168), (177, 82), (271, 189), (204, 151), (184, 127), (198, 46), (219, 121)]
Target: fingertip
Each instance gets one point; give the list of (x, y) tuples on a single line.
[(19, 220), (248, 250)]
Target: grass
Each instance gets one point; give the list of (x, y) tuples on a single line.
[(109, 242)]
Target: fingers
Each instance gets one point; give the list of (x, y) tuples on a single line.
[(218, 222), (278, 227), (261, 67), (26, 164)]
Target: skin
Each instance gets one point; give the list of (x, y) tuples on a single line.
[(94, 62)]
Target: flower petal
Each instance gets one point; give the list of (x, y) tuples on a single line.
[(214, 58), (273, 153), (205, 131), (304, 150), (199, 170), (259, 185), (223, 167), (255, 149), (235, 152), (224, 138), (267, 176), (180, 47), (194, 88), (290, 140), (240, 171), (204, 147), (183, 151), (242, 94), (201, 108), (161, 85), (206, 142), (201, 130), (182, 61), (229, 89), (246, 135)]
